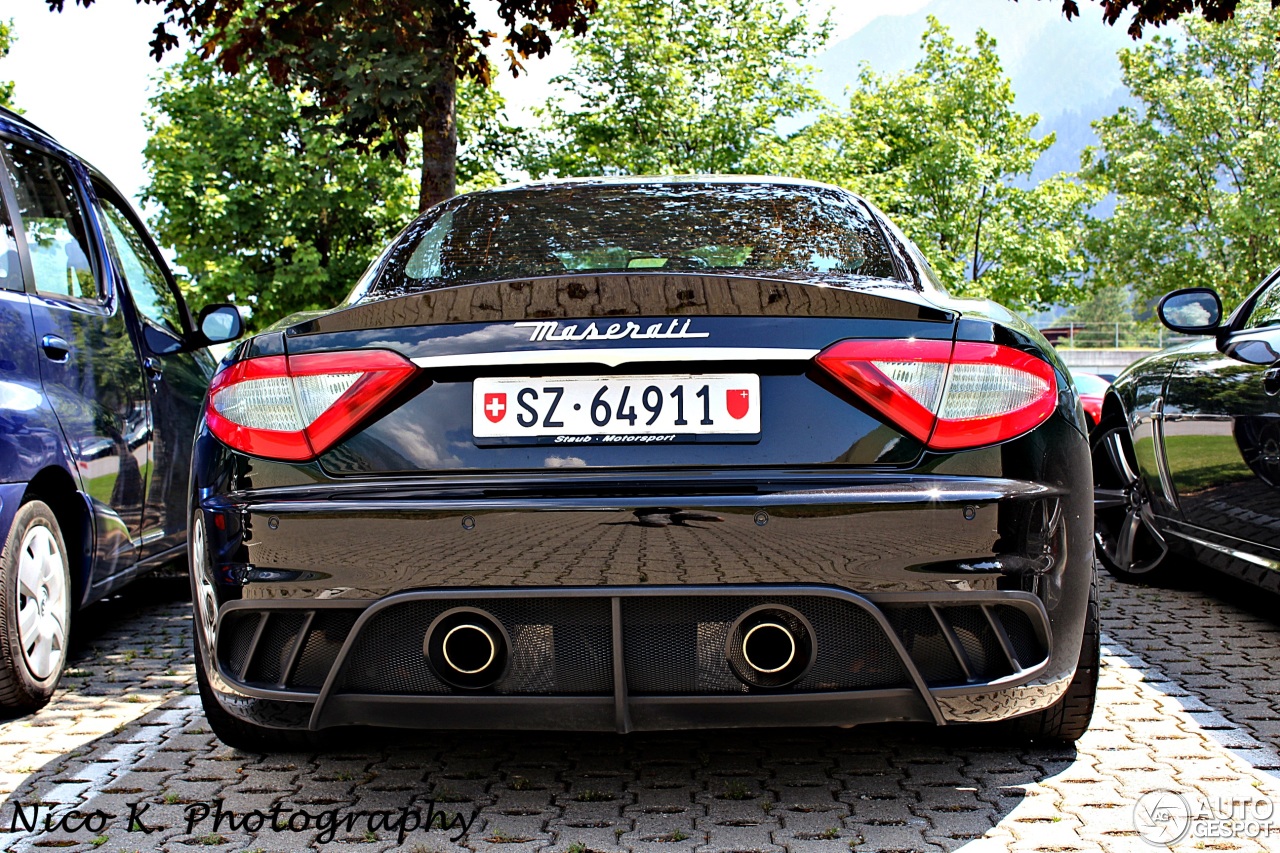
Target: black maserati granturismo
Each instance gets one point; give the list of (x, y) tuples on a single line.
[(1187, 453), (629, 454)]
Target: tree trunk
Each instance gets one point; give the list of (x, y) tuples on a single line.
[(440, 137)]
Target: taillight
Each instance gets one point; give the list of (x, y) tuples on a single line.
[(948, 396), (296, 407)]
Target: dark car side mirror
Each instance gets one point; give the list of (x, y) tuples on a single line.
[(1191, 311), (220, 323)]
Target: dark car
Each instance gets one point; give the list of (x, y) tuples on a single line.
[(101, 380), (644, 454), (1187, 456)]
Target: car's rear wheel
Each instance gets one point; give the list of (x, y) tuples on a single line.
[(1066, 720), (35, 609), (1128, 543)]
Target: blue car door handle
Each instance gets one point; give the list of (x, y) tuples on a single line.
[(56, 348)]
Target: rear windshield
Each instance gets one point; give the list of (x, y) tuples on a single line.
[(737, 229)]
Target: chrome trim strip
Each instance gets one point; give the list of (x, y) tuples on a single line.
[(614, 357), (1230, 552)]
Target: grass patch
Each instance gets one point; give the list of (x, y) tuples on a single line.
[(736, 791), (500, 837)]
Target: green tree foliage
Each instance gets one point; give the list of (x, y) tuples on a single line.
[(262, 205), (6, 44), (669, 87), (943, 151), (1157, 12), (383, 70), (1195, 166)]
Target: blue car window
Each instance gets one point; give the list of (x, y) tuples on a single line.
[(142, 272), (54, 224)]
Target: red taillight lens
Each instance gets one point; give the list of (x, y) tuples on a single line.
[(948, 396), (296, 407)]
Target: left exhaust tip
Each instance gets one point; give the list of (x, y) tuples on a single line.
[(467, 648)]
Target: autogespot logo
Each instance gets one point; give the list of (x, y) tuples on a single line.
[(1162, 817)]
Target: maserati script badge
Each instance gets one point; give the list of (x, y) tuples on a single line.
[(550, 330)]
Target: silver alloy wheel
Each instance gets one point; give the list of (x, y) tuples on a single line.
[(206, 598), (1123, 521), (42, 602)]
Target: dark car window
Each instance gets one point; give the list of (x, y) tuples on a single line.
[(1266, 308), (147, 282), (54, 222), (715, 228)]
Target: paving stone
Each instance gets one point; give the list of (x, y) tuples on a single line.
[(1186, 702)]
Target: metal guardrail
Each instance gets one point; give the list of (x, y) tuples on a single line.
[(1119, 335)]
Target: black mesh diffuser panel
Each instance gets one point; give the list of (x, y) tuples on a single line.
[(329, 630), (676, 645), (235, 639), (979, 642), (926, 644), (1022, 635), (558, 646), (275, 646)]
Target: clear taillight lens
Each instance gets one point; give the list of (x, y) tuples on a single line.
[(296, 407), (948, 396)]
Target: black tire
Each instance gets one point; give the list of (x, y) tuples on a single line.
[(34, 558), (1126, 538), (1066, 720)]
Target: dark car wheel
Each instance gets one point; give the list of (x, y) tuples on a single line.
[(1128, 543), (35, 609), (1066, 720)]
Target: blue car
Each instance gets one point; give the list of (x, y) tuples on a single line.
[(102, 373)]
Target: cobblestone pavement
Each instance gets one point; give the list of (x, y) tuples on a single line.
[(1188, 702)]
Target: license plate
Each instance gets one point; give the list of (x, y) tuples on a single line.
[(616, 409)]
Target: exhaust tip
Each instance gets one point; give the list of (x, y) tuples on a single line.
[(768, 648), (771, 646), (467, 648)]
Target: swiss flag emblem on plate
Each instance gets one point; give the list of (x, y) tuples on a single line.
[(738, 402), (495, 407)]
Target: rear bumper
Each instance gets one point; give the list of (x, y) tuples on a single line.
[(907, 555), (639, 658)]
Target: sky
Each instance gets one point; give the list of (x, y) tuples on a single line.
[(85, 75)]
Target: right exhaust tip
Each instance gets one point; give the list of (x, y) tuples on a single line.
[(467, 648), (771, 646)]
